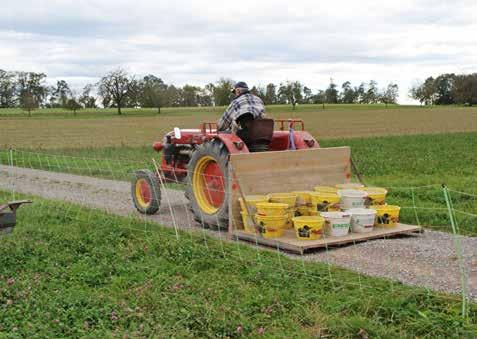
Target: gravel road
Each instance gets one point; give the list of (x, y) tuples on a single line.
[(428, 260)]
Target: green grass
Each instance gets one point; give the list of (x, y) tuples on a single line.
[(109, 162), (74, 272), (398, 162), (401, 162)]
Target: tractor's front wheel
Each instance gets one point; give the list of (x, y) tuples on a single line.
[(146, 192), (207, 189)]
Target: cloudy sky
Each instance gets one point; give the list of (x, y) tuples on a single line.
[(197, 42)]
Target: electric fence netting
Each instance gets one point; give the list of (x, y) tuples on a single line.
[(440, 263)]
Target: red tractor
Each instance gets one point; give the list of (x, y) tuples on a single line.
[(199, 158)]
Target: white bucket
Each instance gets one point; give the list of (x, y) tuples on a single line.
[(352, 199), (337, 224), (349, 185), (362, 219)]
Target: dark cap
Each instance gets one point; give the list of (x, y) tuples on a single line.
[(240, 84)]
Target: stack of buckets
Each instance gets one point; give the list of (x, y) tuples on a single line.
[(275, 212), (272, 213), (329, 210), (361, 207)]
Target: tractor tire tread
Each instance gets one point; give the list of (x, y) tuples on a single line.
[(153, 182), (219, 151)]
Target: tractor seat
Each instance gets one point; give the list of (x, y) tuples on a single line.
[(257, 134)]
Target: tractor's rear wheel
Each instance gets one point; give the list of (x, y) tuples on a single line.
[(207, 189), (146, 192)]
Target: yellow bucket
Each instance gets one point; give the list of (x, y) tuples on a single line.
[(271, 226), (313, 212), (308, 228), (252, 201), (302, 211), (272, 209), (376, 195), (325, 201), (302, 197), (290, 216), (248, 226), (349, 186), (284, 198), (386, 215), (327, 189)]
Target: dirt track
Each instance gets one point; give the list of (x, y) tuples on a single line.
[(427, 260)]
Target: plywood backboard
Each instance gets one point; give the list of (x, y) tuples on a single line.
[(284, 171)]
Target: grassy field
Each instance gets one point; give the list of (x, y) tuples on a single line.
[(88, 274), (56, 129), (398, 162), (70, 271)]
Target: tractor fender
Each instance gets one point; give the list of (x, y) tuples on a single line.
[(304, 140), (234, 144)]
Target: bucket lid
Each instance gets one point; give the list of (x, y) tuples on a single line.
[(333, 215), (361, 211), (308, 218), (250, 198), (270, 217), (272, 205), (282, 195), (375, 190), (326, 189), (324, 194), (352, 193), (350, 185)]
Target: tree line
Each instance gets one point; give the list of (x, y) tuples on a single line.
[(119, 89), (447, 89)]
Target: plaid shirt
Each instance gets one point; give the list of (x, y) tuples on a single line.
[(245, 103)]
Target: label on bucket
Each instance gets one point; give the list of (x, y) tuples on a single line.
[(387, 219), (306, 231), (337, 229), (340, 225)]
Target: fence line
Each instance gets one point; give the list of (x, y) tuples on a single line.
[(72, 165)]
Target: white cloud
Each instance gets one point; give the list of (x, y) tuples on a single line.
[(257, 41)]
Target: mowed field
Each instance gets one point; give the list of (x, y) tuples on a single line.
[(50, 129)]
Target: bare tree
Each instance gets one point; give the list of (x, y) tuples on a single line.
[(86, 99), (116, 85)]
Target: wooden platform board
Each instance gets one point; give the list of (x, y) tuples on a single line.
[(290, 243)]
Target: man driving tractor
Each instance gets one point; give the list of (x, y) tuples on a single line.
[(243, 109), (200, 157)]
